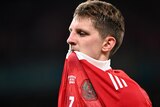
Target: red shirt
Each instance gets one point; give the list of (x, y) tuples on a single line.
[(84, 85)]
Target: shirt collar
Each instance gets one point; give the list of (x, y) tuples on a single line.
[(103, 65)]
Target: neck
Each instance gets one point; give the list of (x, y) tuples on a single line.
[(103, 57)]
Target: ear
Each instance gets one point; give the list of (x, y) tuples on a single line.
[(108, 44)]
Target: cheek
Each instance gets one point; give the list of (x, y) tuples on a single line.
[(96, 43), (96, 46), (93, 47)]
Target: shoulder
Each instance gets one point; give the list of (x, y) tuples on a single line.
[(120, 73)]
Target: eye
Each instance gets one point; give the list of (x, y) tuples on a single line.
[(82, 33)]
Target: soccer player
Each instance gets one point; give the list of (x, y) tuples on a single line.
[(96, 32)]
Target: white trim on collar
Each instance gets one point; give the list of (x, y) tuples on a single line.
[(103, 65)]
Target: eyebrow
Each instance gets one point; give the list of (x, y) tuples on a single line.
[(79, 29)]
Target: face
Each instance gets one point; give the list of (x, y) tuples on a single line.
[(85, 38)]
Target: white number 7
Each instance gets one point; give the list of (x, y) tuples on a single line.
[(72, 100)]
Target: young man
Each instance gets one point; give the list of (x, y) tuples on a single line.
[(96, 32)]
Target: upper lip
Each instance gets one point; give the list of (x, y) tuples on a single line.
[(72, 48)]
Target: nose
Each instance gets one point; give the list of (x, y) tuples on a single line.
[(72, 39)]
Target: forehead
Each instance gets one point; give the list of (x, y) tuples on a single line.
[(81, 22)]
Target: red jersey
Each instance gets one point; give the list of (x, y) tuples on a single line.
[(85, 85)]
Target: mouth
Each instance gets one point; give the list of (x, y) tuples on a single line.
[(71, 48)]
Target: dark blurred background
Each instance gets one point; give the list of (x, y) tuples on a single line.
[(33, 47)]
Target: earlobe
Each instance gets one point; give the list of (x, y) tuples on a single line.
[(108, 44)]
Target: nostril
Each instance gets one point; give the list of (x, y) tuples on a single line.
[(71, 40), (72, 43)]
